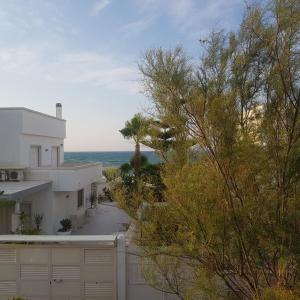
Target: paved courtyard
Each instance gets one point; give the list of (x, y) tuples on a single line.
[(109, 219)]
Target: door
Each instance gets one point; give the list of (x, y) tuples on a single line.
[(35, 156), (98, 274), (55, 157), (5, 219), (34, 272), (66, 273)]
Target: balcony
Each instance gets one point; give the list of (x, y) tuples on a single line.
[(68, 177)]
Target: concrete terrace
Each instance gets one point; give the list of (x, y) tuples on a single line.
[(109, 219)]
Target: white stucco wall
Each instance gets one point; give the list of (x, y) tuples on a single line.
[(56, 206), (42, 204), (10, 128), (20, 128), (137, 288), (36, 123), (68, 179), (46, 144), (65, 205)]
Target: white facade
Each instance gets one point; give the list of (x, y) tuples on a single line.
[(32, 143), (22, 129)]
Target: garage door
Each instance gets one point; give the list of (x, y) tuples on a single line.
[(57, 273)]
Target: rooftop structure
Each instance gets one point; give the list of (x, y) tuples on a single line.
[(33, 173)]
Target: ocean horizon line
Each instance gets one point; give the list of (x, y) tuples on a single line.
[(108, 158), (91, 151)]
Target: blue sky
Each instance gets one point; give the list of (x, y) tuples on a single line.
[(84, 54)]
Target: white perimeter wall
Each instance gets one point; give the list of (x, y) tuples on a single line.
[(137, 288), (131, 284)]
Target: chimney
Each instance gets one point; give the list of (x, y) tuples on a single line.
[(58, 110)]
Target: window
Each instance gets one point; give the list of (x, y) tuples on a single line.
[(55, 157), (80, 198), (35, 156)]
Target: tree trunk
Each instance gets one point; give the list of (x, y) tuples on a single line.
[(137, 158)]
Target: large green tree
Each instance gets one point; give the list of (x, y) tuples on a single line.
[(233, 214)]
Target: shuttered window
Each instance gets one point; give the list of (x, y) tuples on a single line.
[(35, 157)]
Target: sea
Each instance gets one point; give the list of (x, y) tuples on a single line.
[(110, 158)]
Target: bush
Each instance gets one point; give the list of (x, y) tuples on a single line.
[(279, 294), (66, 225)]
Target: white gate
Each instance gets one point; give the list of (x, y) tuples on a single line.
[(58, 271)]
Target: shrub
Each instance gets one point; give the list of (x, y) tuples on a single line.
[(66, 225)]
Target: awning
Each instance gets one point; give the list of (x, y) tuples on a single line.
[(18, 190)]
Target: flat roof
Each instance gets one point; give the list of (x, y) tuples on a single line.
[(16, 238), (70, 166), (32, 111), (21, 189), (10, 166)]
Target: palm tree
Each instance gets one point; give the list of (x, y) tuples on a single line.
[(135, 129)]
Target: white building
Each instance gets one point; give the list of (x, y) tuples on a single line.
[(33, 176)]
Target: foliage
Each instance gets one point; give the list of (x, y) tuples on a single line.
[(148, 175), (38, 220), (93, 200), (279, 294), (160, 137), (107, 193), (112, 176), (111, 173), (135, 129), (232, 215), (25, 226), (7, 203), (66, 225), (30, 231)]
